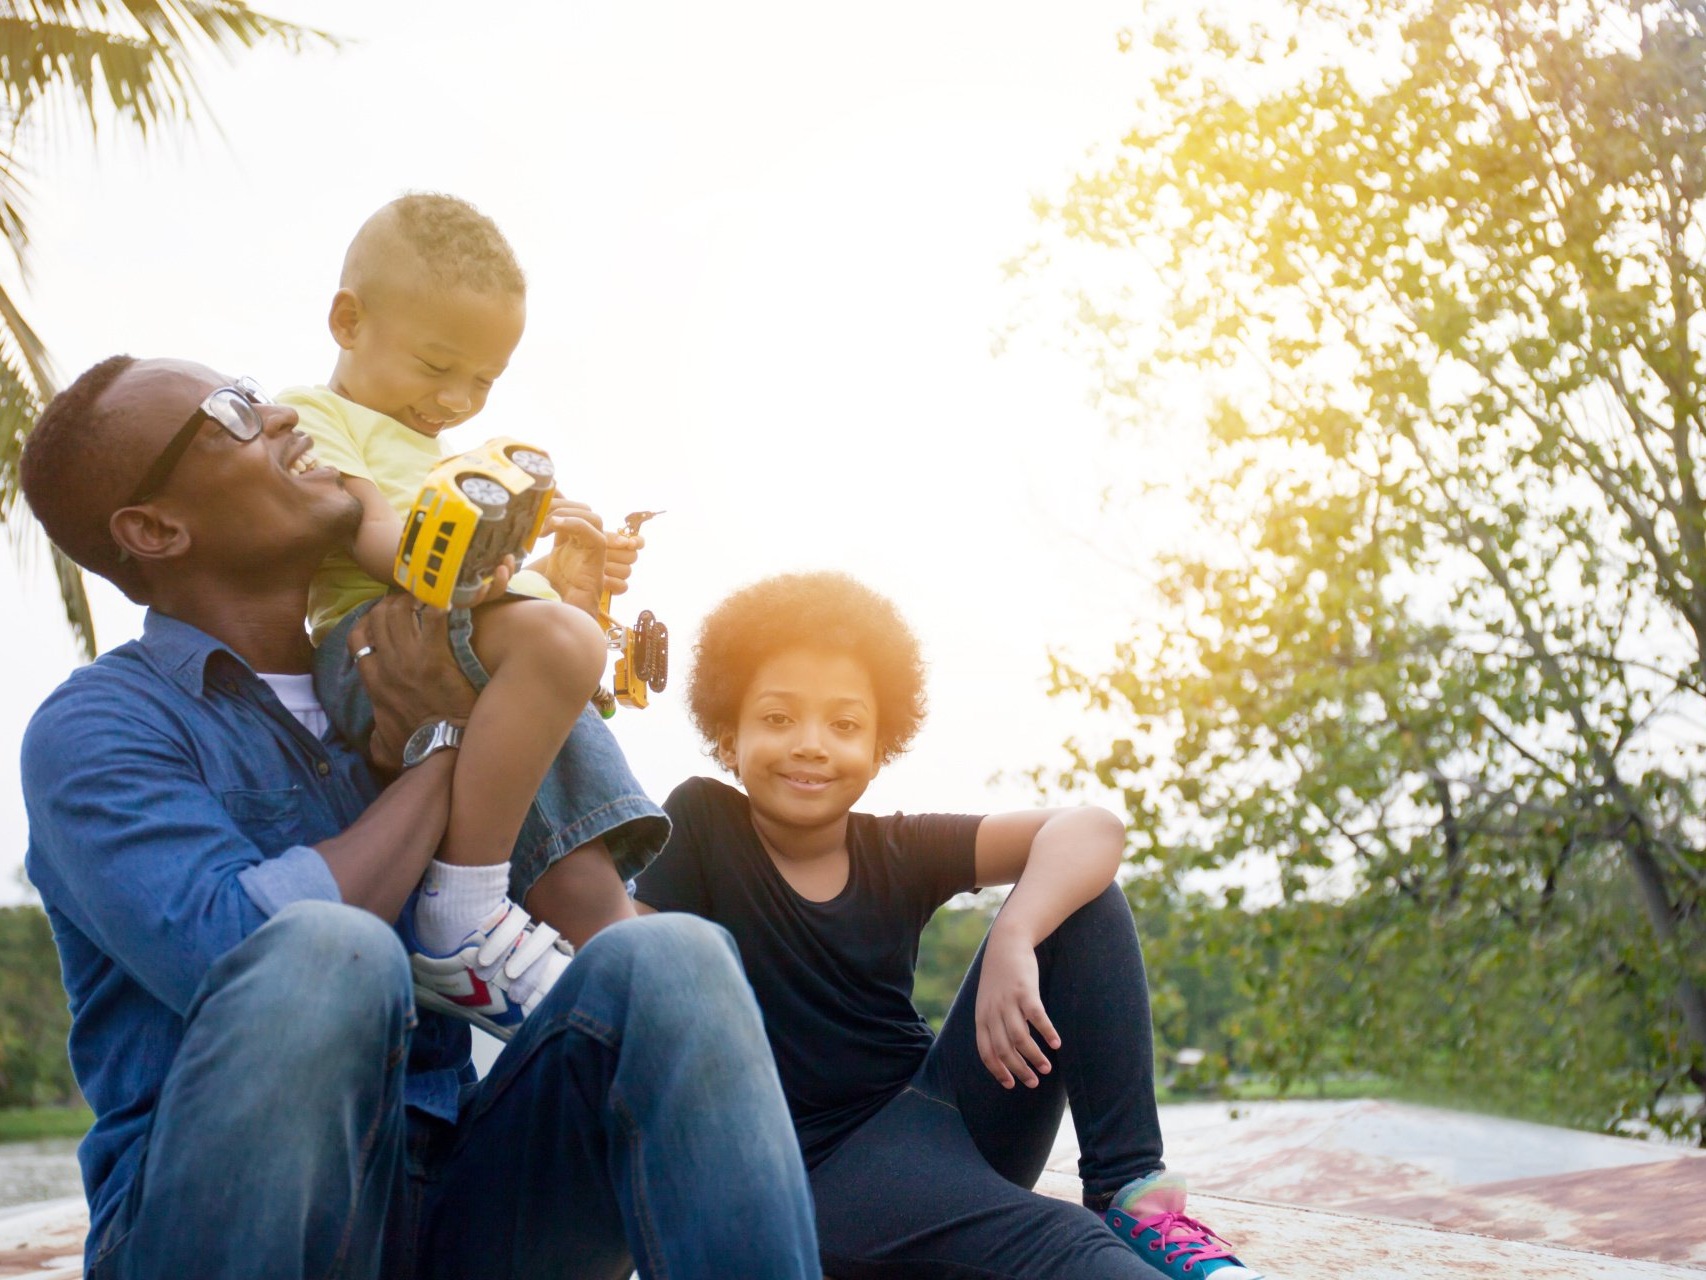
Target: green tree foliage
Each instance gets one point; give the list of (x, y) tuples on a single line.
[(34, 1020), (945, 951), (131, 63), (1197, 1000), (1436, 647)]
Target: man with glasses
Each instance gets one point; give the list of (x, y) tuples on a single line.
[(220, 873)]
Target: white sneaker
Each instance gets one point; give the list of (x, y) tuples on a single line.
[(497, 976)]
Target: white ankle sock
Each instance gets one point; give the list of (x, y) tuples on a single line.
[(454, 901)]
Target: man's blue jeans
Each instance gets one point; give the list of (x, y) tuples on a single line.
[(636, 1115)]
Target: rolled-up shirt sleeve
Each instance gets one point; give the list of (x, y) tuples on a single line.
[(149, 859), (297, 874)]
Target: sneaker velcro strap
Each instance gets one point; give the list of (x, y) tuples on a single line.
[(538, 939), (502, 938)]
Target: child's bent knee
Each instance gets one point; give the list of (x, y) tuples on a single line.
[(561, 648)]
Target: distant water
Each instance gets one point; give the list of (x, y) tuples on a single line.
[(45, 1169)]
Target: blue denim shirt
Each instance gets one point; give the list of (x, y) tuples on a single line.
[(172, 801)]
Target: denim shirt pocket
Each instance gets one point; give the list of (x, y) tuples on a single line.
[(271, 817)]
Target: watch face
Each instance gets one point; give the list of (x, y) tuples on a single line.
[(414, 750), (428, 739)]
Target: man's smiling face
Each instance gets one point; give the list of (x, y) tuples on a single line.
[(246, 502)]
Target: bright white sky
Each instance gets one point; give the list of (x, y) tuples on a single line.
[(764, 243)]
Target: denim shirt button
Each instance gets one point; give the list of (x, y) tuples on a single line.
[(322, 768)]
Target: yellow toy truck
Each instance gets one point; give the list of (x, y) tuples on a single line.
[(475, 509), (478, 507)]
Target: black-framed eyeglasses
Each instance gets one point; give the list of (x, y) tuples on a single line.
[(236, 408)]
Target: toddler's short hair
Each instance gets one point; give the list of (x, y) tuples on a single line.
[(453, 242), (824, 610)]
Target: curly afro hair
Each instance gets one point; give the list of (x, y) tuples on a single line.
[(825, 610)]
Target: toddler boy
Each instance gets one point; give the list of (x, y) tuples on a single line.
[(429, 308)]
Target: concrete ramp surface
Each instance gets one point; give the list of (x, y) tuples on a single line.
[(1391, 1161), (1327, 1191)]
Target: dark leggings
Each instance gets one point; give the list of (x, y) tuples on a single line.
[(938, 1182)]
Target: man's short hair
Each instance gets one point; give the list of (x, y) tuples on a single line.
[(825, 610), (455, 245), (73, 479)]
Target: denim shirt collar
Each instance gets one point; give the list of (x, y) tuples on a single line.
[(181, 652)]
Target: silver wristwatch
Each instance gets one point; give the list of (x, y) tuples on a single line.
[(439, 735)]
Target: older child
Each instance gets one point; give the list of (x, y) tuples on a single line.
[(428, 310), (921, 1148)]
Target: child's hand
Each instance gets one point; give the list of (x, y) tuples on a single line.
[(586, 561), (575, 564), (621, 550), (1009, 1005), (498, 583)]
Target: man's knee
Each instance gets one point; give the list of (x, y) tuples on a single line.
[(671, 962), (671, 943), (322, 969)]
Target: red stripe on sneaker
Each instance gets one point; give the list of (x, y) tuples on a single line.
[(480, 995)]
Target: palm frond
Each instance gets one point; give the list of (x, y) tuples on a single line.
[(16, 331), (138, 77), (13, 229), (77, 613), (21, 400), (26, 384), (225, 26), (136, 58)]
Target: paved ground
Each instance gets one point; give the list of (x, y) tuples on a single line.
[(1330, 1191), (1447, 1169), (44, 1241)]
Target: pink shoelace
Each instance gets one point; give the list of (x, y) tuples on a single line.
[(1182, 1237)]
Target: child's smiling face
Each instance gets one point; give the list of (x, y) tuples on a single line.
[(426, 357), (805, 744)]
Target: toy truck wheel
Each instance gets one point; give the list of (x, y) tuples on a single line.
[(488, 495), (536, 464)]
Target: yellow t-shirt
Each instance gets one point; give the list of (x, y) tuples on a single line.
[(359, 441)]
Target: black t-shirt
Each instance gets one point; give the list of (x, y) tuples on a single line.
[(834, 978)]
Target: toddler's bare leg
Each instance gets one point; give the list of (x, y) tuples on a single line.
[(580, 893), (545, 661)]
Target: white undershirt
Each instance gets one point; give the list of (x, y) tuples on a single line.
[(297, 695)]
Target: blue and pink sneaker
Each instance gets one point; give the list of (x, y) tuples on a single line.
[(1149, 1215)]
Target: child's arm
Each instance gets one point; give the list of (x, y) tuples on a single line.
[(375, 544), (1060, 859)]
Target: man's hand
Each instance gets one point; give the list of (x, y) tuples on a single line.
[(1009, 1005), (410, 673), (586, 562)]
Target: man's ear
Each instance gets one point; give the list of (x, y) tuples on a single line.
[(145, 532), (726, 752), (345, 317)]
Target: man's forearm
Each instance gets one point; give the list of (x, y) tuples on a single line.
[(382, 855)]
